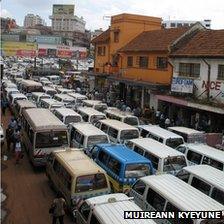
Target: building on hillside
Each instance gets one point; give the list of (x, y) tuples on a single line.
[(7, 24), (185, 23), (31, 20), (64, 20), (197, 90)]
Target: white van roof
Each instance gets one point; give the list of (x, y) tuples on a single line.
[(118, 124), (66, 90), (67, 112), (43, 119), (206, 150), (118, 112), (155, 147), (30, 82), (92, 102), (77, 163), (180, 194), (19, 95), (87, 129), (161, 132), (188, 131), (110, 209), (64, 96), (38, 94), (25, 103), (51, 101), (208, 173), (90, 111), (77, 95)]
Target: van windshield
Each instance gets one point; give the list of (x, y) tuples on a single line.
[(96, 118), (174, 142), (131, 121), (51, 139), (174, 163), (129, 134), (70, 119), (101, 108), (96, 139), (91, 182), (137, 170)]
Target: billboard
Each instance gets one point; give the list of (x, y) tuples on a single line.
[(182, 85), (63, 9), (19, 49)]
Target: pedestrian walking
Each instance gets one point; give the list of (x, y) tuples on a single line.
[(13, 123), (167, 123), (3, 106), (9, 138), (57, 209), (18, 151)]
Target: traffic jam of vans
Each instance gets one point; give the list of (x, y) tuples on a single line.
[(105, 161)]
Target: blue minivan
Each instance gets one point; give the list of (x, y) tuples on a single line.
[(123, 166)]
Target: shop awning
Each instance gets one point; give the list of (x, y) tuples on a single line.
[(182, 102)]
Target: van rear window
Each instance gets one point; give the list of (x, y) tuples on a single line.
[(91, 182), (137, 170)]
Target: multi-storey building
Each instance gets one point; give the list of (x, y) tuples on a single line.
[(31, 20), (64, 20)]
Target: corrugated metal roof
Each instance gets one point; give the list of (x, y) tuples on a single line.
[(181, 194)]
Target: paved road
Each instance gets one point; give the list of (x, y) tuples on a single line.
[(28, 193)]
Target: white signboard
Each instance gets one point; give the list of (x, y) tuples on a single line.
[(182, 85)]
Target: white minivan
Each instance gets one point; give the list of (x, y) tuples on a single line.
[(164, 159), (85, 135)]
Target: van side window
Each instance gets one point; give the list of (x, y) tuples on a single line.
[(194, 157), (181, 149), (214, 163), (94, 151), (129, 144), (103, 157), (113, 132), (154, 160), (94, 220), (144, 133), (56, 166), (79, 138), (138, 150), (155, 200), (114, 165), (84, 211), (104, 128), (183, 175), (154, 137), (161, 140), (139, 187), (85, 117), (218, 195), (97, 124), (201, 185)]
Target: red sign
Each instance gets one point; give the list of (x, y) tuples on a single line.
[(26, 53), (42, 52), (211, 85), (64, 54)]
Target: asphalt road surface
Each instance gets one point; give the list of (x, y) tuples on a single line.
[(29, 195)]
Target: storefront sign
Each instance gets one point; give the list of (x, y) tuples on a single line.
[(42, 52), (182, 85), (64, 54), (216, 85)]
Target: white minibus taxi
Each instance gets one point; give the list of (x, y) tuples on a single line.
[(95, 104), (37, 96), (117, 131), (78, 98), (67, 115), (42, 134), (14, 97), (64, 90), (126, 117), (90, 115), (166, 192), (76, 176), (54, 79), (67, 100), (85, 135), (50, 104), (21, 105), (198, 153), (161, 135), (49, 90), (206, 179), (108, 209), (190, 135), (164, 159)]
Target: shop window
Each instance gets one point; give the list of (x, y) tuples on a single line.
[(143, 62), (130, 61), (189, 70), (101, 51), (161, 62), (221, 72), (173, 25), (116, 37)]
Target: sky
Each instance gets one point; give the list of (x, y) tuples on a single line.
[(96, 13)]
